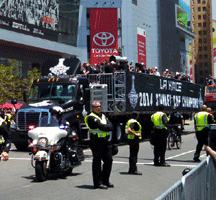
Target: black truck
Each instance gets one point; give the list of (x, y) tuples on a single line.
[(121, 93)]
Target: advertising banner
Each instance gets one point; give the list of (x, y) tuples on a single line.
[(141, 45), (156, 90), (103, 34), (37, 18)]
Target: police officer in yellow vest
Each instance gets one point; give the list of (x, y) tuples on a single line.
[(160, 134), (5, 140), (134, 130), (202, 120), (99, 127)]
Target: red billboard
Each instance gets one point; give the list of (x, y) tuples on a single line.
[(141, 45), (103, 34)]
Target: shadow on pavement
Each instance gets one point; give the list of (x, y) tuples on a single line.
[(90, 187)]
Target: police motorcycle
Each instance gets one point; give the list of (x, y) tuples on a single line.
[(48, 149)]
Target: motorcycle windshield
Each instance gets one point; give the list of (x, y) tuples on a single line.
[(40, 91), (46, 122)]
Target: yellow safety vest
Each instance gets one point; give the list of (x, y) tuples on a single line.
[(100, 134), (131, 136), (156, 118), (201, 119)]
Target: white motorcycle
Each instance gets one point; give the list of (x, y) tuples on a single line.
[(53, 149)]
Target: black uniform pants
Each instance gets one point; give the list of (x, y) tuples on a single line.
[(134, 149), (202, 138), (101, 150), (160, 145)]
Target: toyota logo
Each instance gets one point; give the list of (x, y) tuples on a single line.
[(104, 39)]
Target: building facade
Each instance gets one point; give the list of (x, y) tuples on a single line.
[(202, 45), (147, 31)]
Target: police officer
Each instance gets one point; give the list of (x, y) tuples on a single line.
[(160, 134), (57, 112), (5, 140), (134, 135), (202, 120), (99, 127)]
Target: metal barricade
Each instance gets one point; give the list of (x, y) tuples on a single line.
[(198, 184)]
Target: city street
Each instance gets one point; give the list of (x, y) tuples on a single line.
[(18, 177)]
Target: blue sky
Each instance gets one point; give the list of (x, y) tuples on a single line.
[(213, 6)]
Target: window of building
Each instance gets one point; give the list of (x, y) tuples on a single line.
[(134, 2), (201, 72), (200, 64), (206, 72), (205, 64), (200, 32), (200, 41), (199, 16), (205, 56), (200, 48), (199, 24), (204, 32), (198, 1), (199, 9), (204, 24), (204, 16), (200, 57), (204, 8), (205, 48), (205, 40)]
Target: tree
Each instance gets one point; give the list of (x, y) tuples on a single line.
[(12, 85)]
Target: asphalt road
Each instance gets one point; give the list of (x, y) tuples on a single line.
[(18, 177)]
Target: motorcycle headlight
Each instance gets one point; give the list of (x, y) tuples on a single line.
[(43, 142)]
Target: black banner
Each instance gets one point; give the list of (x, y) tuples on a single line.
[(146, 92), (37, 18)]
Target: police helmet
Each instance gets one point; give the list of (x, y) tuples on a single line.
[(56, 110), (114, 149)]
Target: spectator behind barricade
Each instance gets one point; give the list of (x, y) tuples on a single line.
[(156, 72), (166, 73), (109, 68), (183, 77), (86, 69), (95, 69), (106, 62), (131, 68), (177, 76), (151, 71), (114, 65), (143, 69)]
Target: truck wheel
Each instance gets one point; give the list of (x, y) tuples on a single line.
[(118, 133), (21, 147)]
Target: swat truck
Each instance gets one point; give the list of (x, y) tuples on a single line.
[(121, 93)]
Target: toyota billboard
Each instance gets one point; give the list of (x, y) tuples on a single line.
[(33, 17), (103, 34)]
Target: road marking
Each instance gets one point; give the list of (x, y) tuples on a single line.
[(19, 158), (173, 165), (181, 154)]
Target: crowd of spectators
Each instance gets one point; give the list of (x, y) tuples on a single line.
[(110, 67)]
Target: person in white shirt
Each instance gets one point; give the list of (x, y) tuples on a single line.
[(156, 72)]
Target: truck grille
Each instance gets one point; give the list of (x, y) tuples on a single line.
[(24, 119)]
